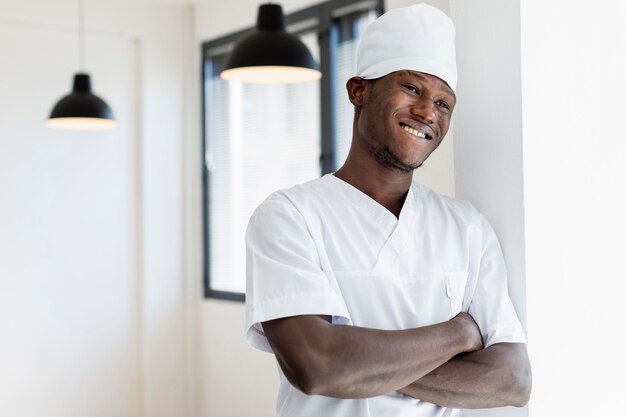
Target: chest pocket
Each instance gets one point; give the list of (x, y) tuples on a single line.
[(389, 302)]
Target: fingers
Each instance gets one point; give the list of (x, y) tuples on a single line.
[(474, 336)]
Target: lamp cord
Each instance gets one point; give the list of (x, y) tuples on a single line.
[(81, 35)]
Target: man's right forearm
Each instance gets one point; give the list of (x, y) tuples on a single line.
[(356, 362)]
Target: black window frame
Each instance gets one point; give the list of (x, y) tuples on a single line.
[(321, 19)]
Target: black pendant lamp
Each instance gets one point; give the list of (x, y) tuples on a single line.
[(81, 109), (270, 54)]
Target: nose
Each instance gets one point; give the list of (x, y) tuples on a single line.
[(424, 110)]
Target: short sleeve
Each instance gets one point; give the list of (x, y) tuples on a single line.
[(284, 276), (491, 306)]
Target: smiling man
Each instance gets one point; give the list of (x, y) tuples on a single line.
[(378, 296)]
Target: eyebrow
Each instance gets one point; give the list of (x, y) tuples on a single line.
[(421, 77)]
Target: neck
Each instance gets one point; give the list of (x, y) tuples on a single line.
[(385, 185)]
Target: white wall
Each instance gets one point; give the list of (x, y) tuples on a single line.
[(573, 67), (93, 312), (67, 258)]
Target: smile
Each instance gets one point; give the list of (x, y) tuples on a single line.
[(415, 132)]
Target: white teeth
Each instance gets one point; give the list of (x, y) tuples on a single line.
[(414, 132)]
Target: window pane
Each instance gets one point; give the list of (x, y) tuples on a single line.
[(350, 29), (260, 138)]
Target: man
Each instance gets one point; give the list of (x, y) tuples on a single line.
[(378, 296)]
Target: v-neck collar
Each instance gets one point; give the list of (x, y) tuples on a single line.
[(365, 202), (402, 225)]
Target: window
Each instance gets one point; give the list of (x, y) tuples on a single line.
[(261, 138)]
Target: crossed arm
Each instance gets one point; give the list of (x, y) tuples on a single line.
[(444, 364)]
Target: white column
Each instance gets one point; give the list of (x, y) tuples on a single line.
[(488, 132)]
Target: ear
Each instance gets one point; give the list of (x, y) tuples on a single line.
[(356, 87)]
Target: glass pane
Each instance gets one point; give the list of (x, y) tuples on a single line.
[(350, 29), (260, 138)]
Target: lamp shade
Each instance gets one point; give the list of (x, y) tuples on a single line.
[(270, 54), (81, 110)]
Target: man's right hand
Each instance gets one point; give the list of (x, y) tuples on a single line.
[(470, 328)]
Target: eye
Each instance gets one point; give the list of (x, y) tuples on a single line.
[(442, 104), (411, 88)]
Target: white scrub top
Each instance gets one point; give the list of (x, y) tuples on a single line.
[(326, 248)]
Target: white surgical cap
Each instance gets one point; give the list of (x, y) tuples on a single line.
[(418, 38)]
